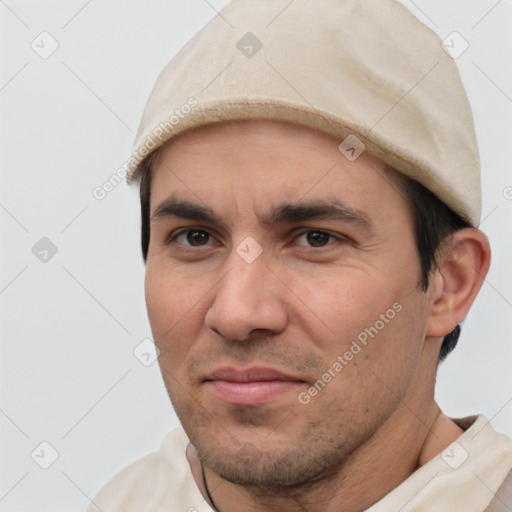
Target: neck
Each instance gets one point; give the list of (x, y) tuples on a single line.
[(415, 433)]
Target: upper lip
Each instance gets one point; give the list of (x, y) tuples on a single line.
[(252, 374)]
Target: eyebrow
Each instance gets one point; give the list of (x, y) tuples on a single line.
[(317, 210), (295, 212), (186, 210)]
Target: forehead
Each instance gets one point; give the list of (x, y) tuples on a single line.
[(262, 162)]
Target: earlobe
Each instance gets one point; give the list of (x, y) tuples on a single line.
[(463, 263)]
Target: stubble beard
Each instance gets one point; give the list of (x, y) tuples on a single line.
[(311, 457)]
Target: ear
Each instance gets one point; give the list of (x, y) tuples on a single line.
[(463, 263)]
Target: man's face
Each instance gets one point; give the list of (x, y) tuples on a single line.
[(281, 363)]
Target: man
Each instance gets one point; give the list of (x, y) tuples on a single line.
[(310, 199)]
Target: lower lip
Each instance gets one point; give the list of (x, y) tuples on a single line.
[(252, 393)]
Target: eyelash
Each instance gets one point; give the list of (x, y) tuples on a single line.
[(173, 237)]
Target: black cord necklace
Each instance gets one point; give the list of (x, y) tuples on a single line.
[(209, 496)]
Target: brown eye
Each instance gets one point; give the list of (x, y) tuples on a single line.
[(192, 238), (317, 238), (197, 237)]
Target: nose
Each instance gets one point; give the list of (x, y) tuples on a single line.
[(250, 297)]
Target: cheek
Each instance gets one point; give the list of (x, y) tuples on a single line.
[(372, 321), (372, 362), (336, 306), (176, 310)]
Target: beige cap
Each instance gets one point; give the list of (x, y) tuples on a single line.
[(367, 69)]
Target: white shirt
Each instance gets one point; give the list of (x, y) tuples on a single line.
[(464, 477)]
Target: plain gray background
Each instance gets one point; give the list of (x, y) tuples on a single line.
[(69, 325)]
